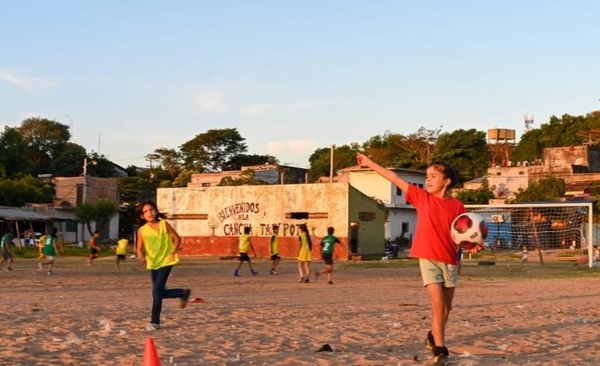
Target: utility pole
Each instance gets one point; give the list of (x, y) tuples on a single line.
[(85, 189), (331, 164)]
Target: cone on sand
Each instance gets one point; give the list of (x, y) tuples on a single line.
[(150, 354)]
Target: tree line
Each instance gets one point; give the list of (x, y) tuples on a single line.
[(40, 146)]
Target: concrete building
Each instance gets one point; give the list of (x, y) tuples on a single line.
[(72, 191), (579, 166), (210, 220), (402, 216)]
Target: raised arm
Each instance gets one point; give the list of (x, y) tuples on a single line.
[(365, 162)]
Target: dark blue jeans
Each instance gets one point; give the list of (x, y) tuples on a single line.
[(160, 292)]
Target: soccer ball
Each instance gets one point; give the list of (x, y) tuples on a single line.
[(469, 230)]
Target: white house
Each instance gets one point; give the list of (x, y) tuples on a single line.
[(402, 216)]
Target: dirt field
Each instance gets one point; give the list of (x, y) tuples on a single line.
[(375, 314)]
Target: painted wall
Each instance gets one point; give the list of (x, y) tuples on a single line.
[(374, 185), (210, 220)]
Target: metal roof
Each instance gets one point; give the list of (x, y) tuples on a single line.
[(13, 213)]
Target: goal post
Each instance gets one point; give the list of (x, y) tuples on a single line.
[(541, 226)]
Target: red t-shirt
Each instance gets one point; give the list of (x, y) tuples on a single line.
[(434, 217)]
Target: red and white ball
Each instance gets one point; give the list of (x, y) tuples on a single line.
[(469, 230)]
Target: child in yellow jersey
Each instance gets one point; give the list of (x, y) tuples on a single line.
[(305, 254), (158, 244), (41, 254), (121, 250), (245, 244), (274, 250)]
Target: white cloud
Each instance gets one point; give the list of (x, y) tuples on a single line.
[(26, 82), (209, 101), (253, 110), (293, 146)]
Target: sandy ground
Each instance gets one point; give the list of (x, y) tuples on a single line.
[(371, 316)]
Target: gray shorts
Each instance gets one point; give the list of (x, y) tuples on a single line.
[(438, 272)]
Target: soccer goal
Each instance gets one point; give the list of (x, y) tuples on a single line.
[(543, 227)]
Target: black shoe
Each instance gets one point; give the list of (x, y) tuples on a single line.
[(429, 341), (440, 356), (186, 296), (330, 282)]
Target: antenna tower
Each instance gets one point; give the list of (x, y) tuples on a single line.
[(528, 122)]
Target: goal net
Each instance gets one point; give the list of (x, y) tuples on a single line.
[(543, 227)]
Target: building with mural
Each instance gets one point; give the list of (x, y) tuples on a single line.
[(210, 220)]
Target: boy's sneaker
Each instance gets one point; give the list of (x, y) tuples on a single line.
[(236, 274), (186, 296), (330, 282), (273, 272), (152, 326), (429, 341), (254, 273), (440, 356)]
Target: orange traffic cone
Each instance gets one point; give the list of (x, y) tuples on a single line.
[(150, 354)]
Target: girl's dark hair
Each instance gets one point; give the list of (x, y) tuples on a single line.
[(139, 210), (304, 228), (447, 170)]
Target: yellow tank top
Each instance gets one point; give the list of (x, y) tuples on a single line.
[(122, 246), (274, 245), (244, 243), (158, 246)]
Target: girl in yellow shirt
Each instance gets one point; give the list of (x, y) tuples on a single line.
[(157, 248)]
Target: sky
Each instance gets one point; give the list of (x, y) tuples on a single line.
[(129, 77)]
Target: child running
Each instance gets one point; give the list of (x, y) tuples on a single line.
[(158, 244), (94, 247), (245, 244), (50, 250), (432, 243), (274, 250), (41, 255), (121, 251), (6, 253), (327, 244), (304, 255)]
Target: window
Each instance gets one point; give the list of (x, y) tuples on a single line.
[(398, 192), (521, 172), (405, 227), (205, 184)]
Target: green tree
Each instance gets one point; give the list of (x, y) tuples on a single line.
[(19, 192), (168, 159), (246, 178), (466, 150), (101, 166), (13, 162), (45, 140), (210, 150), (397, 151), (100, 212), (545, 189), (70, 161), (481, 196), (320, 160), (184, 177), (558, 132), (236, 162)]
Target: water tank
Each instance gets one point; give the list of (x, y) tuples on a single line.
[(501, 134)]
